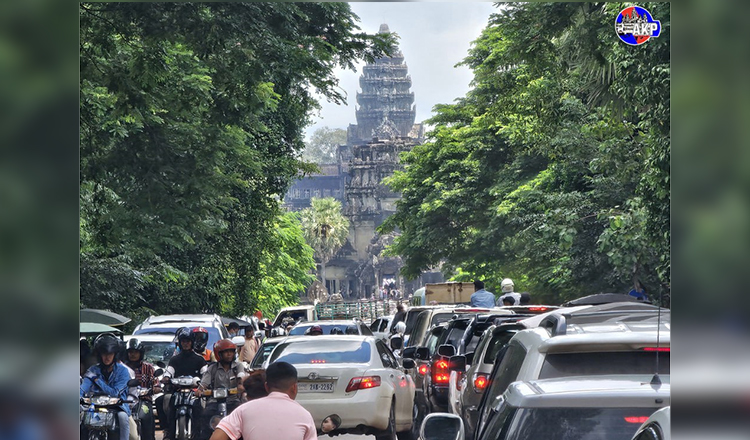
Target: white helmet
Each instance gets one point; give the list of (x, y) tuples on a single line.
[(400, 327), (506, 285)]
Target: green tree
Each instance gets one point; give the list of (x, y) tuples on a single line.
[(552, 168), (325, 228), (191, 128), (323, 145)]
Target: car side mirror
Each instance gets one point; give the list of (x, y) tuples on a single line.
[(470, 358), (409, 353), (397, 342), (442, 426), (447, 350), (259, 334), (422, 353), (239, 341), (408, 363), (458, 363)]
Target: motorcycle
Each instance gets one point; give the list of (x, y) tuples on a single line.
[(184, 396), (141, 408), (221, 395), (99, 415)]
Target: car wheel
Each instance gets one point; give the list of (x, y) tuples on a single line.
[(390, 431)]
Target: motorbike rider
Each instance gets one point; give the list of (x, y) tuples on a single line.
[(185, 363), (144, 372), (227, 373), (398, 331), (109, 377), (201, 340)]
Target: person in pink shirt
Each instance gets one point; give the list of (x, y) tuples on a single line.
[(276, 416)]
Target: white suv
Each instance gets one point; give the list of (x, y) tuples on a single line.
[(562, 349), (168, 325)]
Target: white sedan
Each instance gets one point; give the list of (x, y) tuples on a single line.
[(353, 377)]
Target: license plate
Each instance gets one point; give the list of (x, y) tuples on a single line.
[(315, 387)]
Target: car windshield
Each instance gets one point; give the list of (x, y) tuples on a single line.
[(322, 352), (301, 329), (575, 423), (158, 351), (589, 364), (213, 333)]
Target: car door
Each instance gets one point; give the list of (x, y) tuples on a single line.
[(403, 387)]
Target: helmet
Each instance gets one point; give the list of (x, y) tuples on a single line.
[(351, 330), (400, 327), (107, 343), (277, 331), (315, 330), (135, 344), (336, 331), (200, 337), (224, 345), (506, 285), (183, 333)]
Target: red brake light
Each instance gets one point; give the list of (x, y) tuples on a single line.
[(656, 349), (442, 364), (423, 369), (637, 419), (318, 361), (441, 378), (480, 382), (363, 383), (538, 309), (440, 373)]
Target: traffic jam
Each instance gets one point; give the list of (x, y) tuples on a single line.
[(430, 367)]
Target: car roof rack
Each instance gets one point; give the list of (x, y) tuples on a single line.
[(557, 323)]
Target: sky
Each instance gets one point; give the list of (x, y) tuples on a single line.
[(433, 38)]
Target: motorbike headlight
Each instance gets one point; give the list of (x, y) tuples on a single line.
[(104, 400), (220, 393), (86, 400), (182, 381)]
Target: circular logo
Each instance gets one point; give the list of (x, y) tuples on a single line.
[(635, 25)]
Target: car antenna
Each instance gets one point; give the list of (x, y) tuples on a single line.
[(656, 380)]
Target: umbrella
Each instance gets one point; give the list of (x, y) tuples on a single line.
[(103, 317), (601, 298), (94, 328)]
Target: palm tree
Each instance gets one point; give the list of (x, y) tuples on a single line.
[(325, 229)]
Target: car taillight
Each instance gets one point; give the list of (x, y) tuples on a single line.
[(363, 383), (538, 309), (636, 419), (656, 349), (480, 382), (423, 369), (440, 373)]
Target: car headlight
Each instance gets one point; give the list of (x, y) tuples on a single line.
[(220, 393), (104, 400)]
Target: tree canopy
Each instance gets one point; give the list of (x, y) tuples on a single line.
[(554, 168), (323, 145), (191, 130), (325, 228)]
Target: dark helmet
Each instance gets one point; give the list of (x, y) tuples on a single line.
[(107, 343), (315, 330), (224, 345), (351, 330), (336, 331), (135, 344), (183, 333), (200, 339)]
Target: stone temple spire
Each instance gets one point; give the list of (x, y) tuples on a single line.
[(385, 100)]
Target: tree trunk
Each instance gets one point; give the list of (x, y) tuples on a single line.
[(323, 274)]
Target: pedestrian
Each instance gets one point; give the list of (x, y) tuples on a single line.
[(481, 297), (507, 286), (276, 416), (234, 329), (399, 316), (247, 353)]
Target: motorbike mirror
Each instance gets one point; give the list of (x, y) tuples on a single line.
[(134, 382), (442, 426), (204, 369), (158, 372), (161, 364)]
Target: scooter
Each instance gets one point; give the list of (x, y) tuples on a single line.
[(221, 395), (141, 408), (99, 415), (184, 396)]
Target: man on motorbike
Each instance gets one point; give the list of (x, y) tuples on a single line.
[(200, 335), (225, 373), (109, 377), (145, 373), (185, 363)]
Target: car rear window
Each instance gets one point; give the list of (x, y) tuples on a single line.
[(213, 333), (576, 423), (323, 352), (590, 364), (262, 354), (301, 329), (496, 343)]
